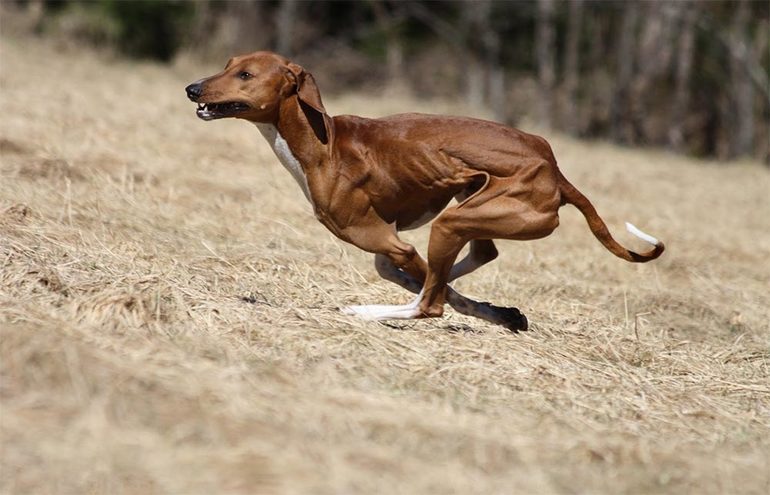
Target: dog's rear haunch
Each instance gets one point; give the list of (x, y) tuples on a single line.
[(367, 179)]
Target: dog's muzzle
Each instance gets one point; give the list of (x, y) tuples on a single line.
[(194, 91), (211, 111)]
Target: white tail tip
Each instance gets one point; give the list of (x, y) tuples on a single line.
[(641, 235)]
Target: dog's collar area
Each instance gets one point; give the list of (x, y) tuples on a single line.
[(211, 111)]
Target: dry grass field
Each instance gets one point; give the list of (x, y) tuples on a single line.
[(169, 322)]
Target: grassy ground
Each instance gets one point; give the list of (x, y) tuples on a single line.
[(169, 322)]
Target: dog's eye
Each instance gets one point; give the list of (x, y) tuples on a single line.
[(245, 75)]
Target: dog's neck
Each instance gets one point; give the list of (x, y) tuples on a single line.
[(285, 155), (295, 144)]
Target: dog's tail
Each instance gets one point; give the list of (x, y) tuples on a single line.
[(571, 195)]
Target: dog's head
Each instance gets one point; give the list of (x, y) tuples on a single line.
[(253, 86)]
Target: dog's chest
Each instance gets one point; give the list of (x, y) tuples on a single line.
[(285, 156)]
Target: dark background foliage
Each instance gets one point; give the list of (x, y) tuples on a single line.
[(689, 76)]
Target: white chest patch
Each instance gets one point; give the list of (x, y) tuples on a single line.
[(285, 156)]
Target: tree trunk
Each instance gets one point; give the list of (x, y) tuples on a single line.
[(495, 75), (685, 52), (570, 113), (544, 53), (762, 52), (653, 67), (387, 23), (285, 23), (36, 13), (625, 59), (742, 135), (246, 35), (598, 86), (475, 23), (496, 92)]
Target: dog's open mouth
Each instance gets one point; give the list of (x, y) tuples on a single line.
[(211, 111)]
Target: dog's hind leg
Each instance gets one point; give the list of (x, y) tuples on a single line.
[(510, 318), (482, 251), (400, 263), (505, 209)]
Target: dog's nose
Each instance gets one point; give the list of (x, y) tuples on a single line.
[(194, 91)]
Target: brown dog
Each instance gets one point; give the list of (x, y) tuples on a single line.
[(369, 178)]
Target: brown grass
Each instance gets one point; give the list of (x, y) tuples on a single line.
[(169, 322)]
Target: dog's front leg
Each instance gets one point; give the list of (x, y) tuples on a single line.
[(396, 261), (390, 272)]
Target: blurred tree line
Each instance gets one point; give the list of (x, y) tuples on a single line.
[(688, 75)]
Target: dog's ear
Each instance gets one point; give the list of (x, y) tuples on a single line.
[(310, 101)]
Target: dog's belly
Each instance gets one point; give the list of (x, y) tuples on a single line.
[(421, 212), (410, 222)]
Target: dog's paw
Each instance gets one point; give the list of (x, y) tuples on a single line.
[(359, 311), (515, 320), (383, 312)]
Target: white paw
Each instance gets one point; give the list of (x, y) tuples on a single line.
[(383, 312), (360, 311)]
